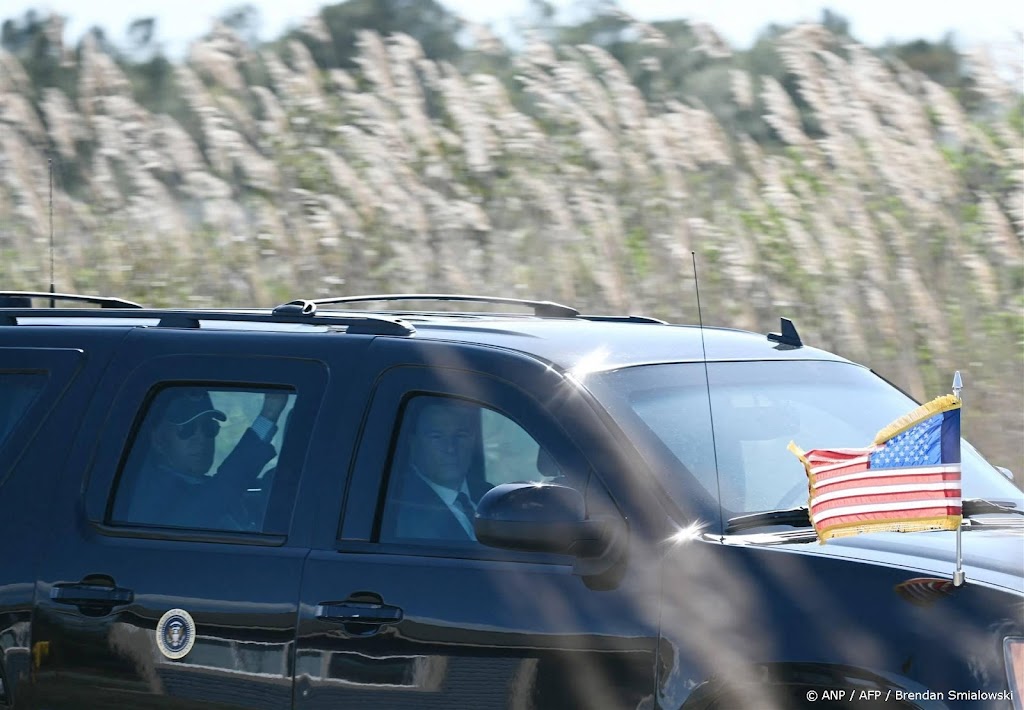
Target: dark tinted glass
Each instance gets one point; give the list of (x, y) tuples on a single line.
[(17, 392), (448, 455), (203, 458)]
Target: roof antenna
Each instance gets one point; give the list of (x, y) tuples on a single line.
[(707, 384), (49, 164), (788, 339)]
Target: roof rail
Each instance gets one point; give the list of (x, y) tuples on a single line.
[(541, 309), (23, 299), (626, 319), (301, 311), (366, 325)]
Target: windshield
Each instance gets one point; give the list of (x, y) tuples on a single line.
[(757, 409)]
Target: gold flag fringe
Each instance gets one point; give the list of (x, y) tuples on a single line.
[(943, 522), (945, 403), (801, 454)]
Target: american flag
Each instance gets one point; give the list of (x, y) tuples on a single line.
[(907, 480)]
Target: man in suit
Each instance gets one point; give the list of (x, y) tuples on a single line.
[(437, 496)]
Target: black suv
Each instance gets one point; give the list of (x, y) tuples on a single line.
[(317, 506)]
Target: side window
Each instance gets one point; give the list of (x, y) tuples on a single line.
[(449, 452), (17, 392), (204, 458)]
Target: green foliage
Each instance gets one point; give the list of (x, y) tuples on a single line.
[(30, 41), (941, 62), (639, 253), (427, 21), (1016, 117), (154, 87)]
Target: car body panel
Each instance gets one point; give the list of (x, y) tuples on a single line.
[(478, 627), (764, 606), (990, 557)]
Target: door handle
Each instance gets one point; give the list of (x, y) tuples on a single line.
[(359, 613), (94, 595)]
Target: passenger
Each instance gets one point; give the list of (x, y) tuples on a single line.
[(438, 496), (172, 486)]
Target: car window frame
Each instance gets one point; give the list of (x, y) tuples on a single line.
[(307, 378), (143, 423), (359, 526)]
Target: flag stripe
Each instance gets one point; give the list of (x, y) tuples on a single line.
[(823, 466), (886, 480), (887, 490), (820, 482), (904, 505), (919, 500)]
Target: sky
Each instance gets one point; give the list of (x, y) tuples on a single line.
[(873, 22)]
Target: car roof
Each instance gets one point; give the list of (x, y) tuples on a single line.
[(554, 333), (572, 343)]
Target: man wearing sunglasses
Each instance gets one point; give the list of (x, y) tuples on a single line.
[(173, 485)]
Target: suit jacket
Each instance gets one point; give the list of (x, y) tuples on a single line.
[(421, 514)]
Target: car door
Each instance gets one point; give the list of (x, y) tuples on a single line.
[(33, 385), (391, 620), (176, 606)]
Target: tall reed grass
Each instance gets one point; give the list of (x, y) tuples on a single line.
[(873, 232)]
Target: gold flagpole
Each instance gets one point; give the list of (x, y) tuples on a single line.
[(958, 575)]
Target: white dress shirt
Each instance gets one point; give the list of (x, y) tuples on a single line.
[(448, 495)]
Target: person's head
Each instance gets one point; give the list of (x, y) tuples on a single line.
[(185, 430), (444, 440)]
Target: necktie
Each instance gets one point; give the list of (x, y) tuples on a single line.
[(465, 505)]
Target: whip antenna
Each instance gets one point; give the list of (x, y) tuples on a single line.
[(49, 170), (707, 384)]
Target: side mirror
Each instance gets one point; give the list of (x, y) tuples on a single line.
[(540, 517)]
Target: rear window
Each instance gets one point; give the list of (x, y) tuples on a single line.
[(205, 458), (18, 390)]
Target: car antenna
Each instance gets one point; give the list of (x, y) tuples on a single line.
[(707, 384), (53, 289)]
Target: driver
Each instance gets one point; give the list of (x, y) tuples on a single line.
[(438, 498)]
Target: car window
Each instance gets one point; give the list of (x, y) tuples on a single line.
[(449, 452), (17, 392), (204, 458)]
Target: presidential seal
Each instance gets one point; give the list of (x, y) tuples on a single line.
[(175, 633)]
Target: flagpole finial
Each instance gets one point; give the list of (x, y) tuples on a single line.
[(958, 384)]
